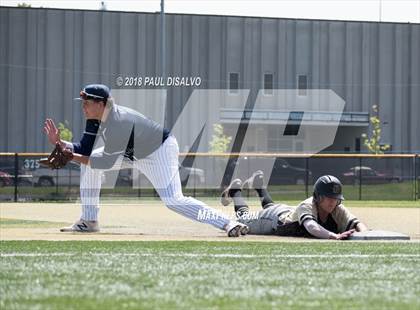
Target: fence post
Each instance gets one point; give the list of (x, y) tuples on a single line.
[(138, 188), (248, 173), (307, 177), (16, 176), (56, 184), (415, 176), (195, 183), (360, 178)]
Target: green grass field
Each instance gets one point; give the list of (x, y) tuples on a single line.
[(16, 223), (197, 275)]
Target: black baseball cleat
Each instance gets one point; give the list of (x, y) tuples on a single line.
[(255, 181), (225, 198)]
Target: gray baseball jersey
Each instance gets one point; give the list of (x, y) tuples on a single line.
[(287, 220), (338, 221), (127, 132)]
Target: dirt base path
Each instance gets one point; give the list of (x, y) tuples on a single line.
[(156, 222)]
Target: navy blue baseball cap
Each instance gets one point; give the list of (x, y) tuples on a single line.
[(95, 92)]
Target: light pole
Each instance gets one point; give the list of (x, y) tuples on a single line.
[(380, 10), (163, 50)]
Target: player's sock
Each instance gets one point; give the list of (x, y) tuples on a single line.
[(265, 197), (240, 205), (90, 203), (90, 190), (89, 213)]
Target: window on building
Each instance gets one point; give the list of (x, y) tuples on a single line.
[(293, 123), (302, 85), (268, 84), (233, 82), (357, 145)]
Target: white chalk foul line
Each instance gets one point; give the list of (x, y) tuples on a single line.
[(200, 255)]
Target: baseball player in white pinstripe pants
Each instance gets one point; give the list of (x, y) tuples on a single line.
[(130, 137)]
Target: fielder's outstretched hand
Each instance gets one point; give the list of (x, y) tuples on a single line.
[(58, 158), (52, 132), (344, 235)]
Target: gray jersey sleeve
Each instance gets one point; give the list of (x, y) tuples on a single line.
[(126, 130)]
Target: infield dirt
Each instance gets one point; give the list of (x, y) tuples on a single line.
[(155, 222)]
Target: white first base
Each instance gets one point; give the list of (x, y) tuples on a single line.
[(378, 235)]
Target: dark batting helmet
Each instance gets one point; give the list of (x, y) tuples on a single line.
[(328, 186)]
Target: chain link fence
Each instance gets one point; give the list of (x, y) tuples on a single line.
[(365, 177)]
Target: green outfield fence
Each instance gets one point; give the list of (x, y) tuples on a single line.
[(365, 176)]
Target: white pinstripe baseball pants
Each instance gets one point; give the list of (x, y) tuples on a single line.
[(161, 168)]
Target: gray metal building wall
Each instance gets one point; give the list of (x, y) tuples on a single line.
[(47, 55)]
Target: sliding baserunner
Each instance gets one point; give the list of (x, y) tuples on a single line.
[(321, 216)]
